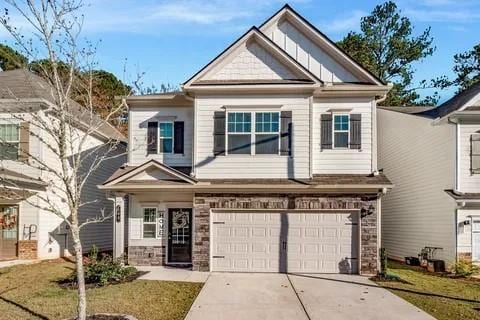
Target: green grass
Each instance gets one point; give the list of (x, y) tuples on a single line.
[(31, 292), (442, 297)]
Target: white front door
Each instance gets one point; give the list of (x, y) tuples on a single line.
[(313, 242), (476, 240)]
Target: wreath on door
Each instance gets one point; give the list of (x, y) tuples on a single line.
[(180, 220)]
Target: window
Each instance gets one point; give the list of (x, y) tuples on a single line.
[(239, 126), (165, 138), (267, 133), (340, 131), (475, 153), (149, 222), (9, 141)]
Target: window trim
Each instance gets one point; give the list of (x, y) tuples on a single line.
[(335, 114), (159, 137), (253, 131), (472, 155)]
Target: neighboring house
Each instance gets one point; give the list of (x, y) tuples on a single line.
[(26, 230), (265, 161), (432, 155)]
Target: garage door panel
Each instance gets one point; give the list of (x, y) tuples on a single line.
[(255, 242)]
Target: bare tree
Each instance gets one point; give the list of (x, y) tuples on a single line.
[(64, 127)]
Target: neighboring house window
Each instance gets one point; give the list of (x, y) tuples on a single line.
[(239, 128), (267, 132), (340, 130), (9, 141), (149, 222), (475, 152), (165, 138)]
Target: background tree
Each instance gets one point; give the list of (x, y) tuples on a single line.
[(66, 126), (11, 59), (387, 48), (467, 68)]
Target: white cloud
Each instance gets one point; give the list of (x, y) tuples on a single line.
[(345, 23)]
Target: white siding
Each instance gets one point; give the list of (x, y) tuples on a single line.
[(308, 54), (246, 166), (161, 201), (251, 62), (419, 159), (140, 116), (467, 181), (346, 161)]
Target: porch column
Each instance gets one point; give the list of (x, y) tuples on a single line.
[(119, 225)]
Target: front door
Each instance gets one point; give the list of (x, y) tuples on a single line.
[(179, 235), (8, 232)]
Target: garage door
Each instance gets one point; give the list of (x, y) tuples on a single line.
[(285, 242)]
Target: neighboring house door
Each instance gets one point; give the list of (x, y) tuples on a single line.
[(316, 242), (179, 235), (8, 232), (476, 240)]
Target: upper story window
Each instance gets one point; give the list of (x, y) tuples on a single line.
[(9, 141), (475, 153), (341, 131), (264, 135), (239, 132), (165, 137), (267, 131)]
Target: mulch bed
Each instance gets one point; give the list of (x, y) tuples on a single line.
[(68, 284), (108, 316)]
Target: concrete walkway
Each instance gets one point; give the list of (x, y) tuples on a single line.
[(11, 263), (253, 296), (172, 274)]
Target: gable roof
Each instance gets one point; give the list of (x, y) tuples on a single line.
[(25, 85), (128, 172), (269, 45), (309, 29), (455, 103)]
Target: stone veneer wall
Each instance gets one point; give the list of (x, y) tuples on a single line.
[(27, 249), (204, 202), (146, 255)]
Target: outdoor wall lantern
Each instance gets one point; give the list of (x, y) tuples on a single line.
[(118, 216), (367, 211)]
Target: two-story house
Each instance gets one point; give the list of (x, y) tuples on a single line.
[(265, 161), (432, 155), (27, 229)]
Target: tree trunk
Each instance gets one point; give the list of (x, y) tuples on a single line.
[(82, 297)]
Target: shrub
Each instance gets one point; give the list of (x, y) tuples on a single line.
[(104, 270), (465, 268)]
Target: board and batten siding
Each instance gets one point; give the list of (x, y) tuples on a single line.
[(467, 181), (307, 53), (343, 161), (419, 158), (207, 166), (137, 147)]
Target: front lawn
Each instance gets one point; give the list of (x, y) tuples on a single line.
[(32, 292), (442, 297)]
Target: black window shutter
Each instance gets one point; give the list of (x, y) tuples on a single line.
[(219, 133), (152, 137), (286, 133), (178, 136), (326, 131), (355, 131)]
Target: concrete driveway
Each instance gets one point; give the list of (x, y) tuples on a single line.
[(252, 296)]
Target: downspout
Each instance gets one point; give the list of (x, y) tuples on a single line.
[(194, 136), (310, 135), (374, 136)]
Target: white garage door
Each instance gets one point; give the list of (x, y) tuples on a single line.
[(285, 242)]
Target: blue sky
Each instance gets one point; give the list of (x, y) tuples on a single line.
[(171, 40)]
